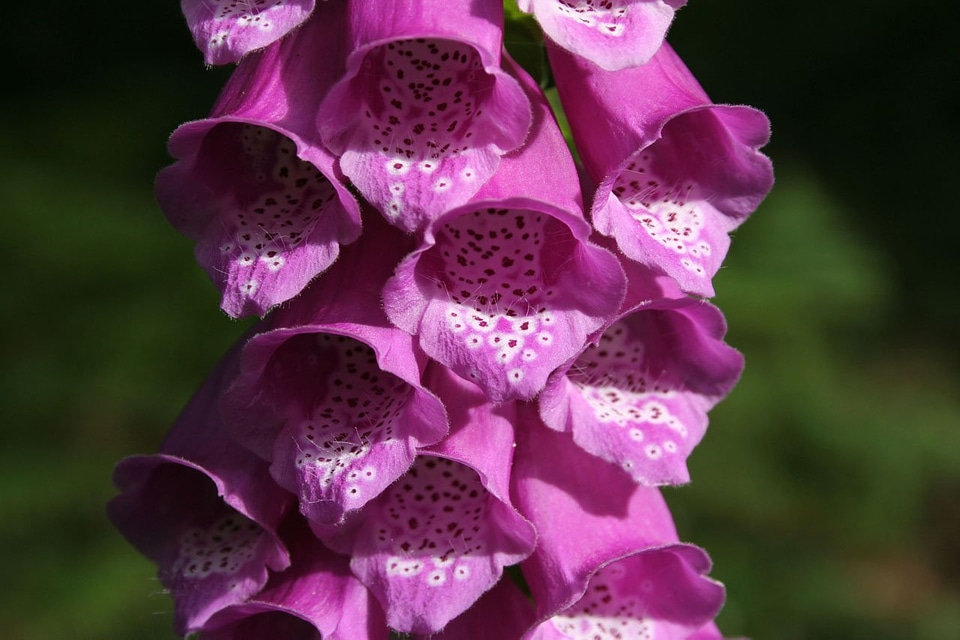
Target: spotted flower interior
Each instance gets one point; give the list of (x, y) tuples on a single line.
[(434, 542), (275, 226), (500, 308), (210, 555), (651, 596), (610, 33), (225, 30), (433, 124), (674, 221), (639, 398), (349, 428)]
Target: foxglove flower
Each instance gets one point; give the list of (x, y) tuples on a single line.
[(639, 397), (252, 184), (424, 112), (506, 288), (676, 173), (630, 577), (331, 394), (205, 510), (439, 537), (317, 597), (613, 34), (225, 30)]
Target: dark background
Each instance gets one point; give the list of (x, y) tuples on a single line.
[(828, 487)]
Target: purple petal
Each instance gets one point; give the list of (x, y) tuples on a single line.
[(424, 112), (225, 30), (631, 548), (503, 612), (331, 393), (253, 186), (506, 289), (612, 34), (317, 597), (439, 537), (639, 398), (654, 594), (205, 510), (676, 173)]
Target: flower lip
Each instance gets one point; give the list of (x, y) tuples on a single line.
[(612, 34), (225, 31)]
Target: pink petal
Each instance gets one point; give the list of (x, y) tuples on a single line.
[(612, 34), (253, 186), (225, 30)]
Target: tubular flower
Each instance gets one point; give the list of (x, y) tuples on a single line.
[(226, 30), (424, 112), (631, 577), (317, 598), (505, 289), (334, 398), (252, 184), (439, 537), (676, 173), (612, 34), (205, 510), (639, 397)]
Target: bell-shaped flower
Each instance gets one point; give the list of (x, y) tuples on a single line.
[(253, 185), (331, 393), (639, 397), (507, 288), (424, 112), (316, 598), (439, 537), (205, 510), (676, 173), (608, 561), (610, 33), (226, 30)]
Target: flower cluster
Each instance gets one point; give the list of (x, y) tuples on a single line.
[(476, 361)]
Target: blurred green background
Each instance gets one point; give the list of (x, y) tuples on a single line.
[(828, 487)]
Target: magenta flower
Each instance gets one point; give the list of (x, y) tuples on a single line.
[(317, 597), (639, 397), (452, 426), (252, 184), (331, 394), (225, 30), (205, 510), (424, 112), (613, 34), (439, 537), (630, 575), (506, 288), (676, 173)]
